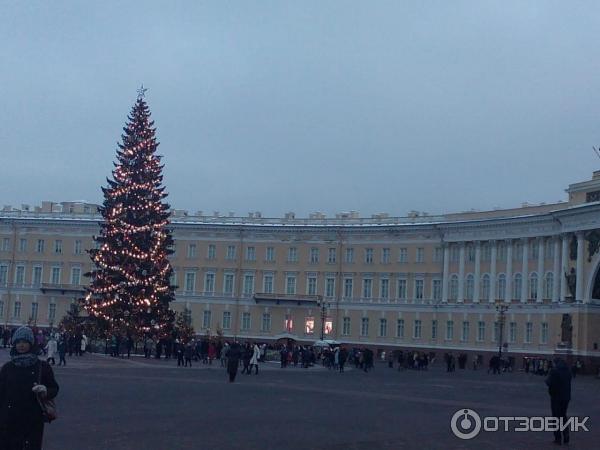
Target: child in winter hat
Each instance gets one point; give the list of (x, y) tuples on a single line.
[(23, 334)]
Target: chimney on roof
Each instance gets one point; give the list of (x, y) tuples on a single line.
[(382, 215)]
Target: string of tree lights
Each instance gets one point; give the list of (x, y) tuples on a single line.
[(130, 288)]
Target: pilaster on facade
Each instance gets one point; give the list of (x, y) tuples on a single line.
[(564, 266), (476, 285), (461, 273), (540, 269), (494, 255), (525, 270), (579, 295), (509, 275), (556, 270), (446, 272)]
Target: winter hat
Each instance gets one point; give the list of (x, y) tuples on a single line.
[(23, 334)]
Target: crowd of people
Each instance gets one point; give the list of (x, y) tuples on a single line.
[(543, 366), (51, 344), (24, 392)]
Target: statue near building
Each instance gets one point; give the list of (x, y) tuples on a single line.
[(566, 335), (571, 278)]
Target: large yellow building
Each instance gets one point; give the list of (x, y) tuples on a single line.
[(420, 282)]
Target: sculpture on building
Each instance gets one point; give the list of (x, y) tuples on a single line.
[(566, 327), (571, 279)]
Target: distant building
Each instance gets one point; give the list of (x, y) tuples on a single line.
[(423, 282)]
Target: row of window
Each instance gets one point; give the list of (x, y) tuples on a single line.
[(502, 251), (40, 246), (385, 254), (17, 310), (329, 287), (500, 288), (401, 292), (417, 331), (314, 255), (465, 332), (37, 275), (291, 284)]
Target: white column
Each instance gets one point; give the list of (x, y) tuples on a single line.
[(540, 270), (579, 268), (477, 272), (525, 271), (563, 267), (556, 270), (461, 274), (446, 272), (494, 255), (509, 260)]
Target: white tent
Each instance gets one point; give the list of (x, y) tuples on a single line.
[(325, 343)]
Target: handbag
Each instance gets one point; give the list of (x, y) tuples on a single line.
[(48, 406)]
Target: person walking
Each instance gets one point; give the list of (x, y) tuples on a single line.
[(51, 348), (559, 389), (233, 360), (179, 349), (246, 357), (188, 353), (83, 345), (62, 351), (254, 360), (342, 358), (223, 355), (24, 380)]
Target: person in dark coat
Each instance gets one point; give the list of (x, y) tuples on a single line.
[(21, 417), (62, 351), (233, 360), (559, 388), (188, 353), (180, 350), (343, 356), (246, 357)]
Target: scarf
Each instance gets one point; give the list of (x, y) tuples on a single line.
[(23, 359)]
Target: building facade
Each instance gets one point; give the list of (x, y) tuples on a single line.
[(422, 282)]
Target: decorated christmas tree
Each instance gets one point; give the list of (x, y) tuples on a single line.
[(130, 286)]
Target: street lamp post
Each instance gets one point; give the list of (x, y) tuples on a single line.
[(501, 309), (323, 306)]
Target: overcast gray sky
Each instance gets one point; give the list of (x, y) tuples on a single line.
[(305, 106)]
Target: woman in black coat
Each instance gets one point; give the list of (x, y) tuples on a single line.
[(233, 360), (22, 380)]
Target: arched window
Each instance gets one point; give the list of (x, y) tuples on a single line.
[(501, 287), (517, 284), (548, 285), (533, 285), (470, 287), (485, 287), (454, 287)]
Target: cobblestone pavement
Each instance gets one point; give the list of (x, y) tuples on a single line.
[(111, 403)]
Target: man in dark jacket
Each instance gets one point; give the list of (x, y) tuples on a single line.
[(559, 388), (23, 381), (233, 359)]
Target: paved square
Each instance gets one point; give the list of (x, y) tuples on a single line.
[(115, 404)]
